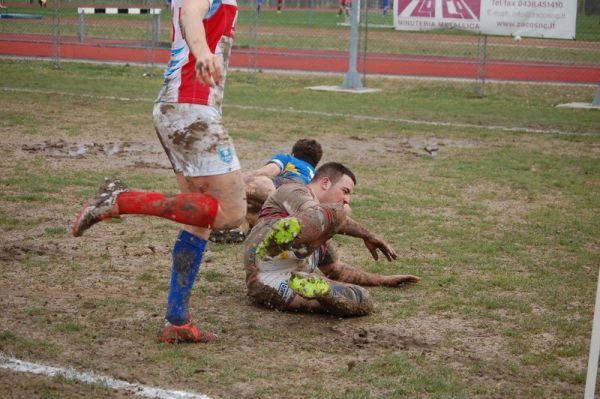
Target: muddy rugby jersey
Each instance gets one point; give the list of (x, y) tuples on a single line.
[(180, 84)]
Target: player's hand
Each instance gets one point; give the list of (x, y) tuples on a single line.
[(375, 243), (396, 280), (209, 69)]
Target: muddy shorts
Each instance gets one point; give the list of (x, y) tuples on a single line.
[(278, 281), (274, 274), (194, 139)]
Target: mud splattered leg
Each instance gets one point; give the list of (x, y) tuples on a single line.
[(347, 300), (336, 298), (264, 294)]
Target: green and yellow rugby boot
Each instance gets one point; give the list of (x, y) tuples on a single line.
[(307, 285)]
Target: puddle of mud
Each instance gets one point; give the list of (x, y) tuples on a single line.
[(16, 251), (62, 148), (417, 146)]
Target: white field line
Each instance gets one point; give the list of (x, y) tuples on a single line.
[(327, 114), (17, 365)]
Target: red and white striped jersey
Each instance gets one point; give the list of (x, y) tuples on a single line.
[(180, 84)]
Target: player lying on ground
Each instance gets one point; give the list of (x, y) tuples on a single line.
[(292, 239), (299, 166)]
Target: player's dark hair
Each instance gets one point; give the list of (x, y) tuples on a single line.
[(308, 150), (334, 171)]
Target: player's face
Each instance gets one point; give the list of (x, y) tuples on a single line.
[(339, 192)]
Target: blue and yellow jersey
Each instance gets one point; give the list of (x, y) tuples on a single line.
[(294, 168)]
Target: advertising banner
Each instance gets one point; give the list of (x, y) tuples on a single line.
[(530, 18)]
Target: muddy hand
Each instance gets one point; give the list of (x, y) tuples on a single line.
[(209, 70), (374, 243), (393, 281)]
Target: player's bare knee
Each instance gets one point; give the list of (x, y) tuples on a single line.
[(230, 215)]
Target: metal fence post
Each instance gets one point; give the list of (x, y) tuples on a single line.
[(597, 98), (352, 79), (481, 64), (57, 32), (156, 32), (253, 40), (80, 26)]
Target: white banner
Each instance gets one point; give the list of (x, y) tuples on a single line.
[(531, 18)]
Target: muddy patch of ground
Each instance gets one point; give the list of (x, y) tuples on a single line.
[(20, 250), (143, 155), (97, 154), (399, 145), (362, 147)]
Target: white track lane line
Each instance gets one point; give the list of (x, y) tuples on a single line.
[(11, 363), (327, 114)]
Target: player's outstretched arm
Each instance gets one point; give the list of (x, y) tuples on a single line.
[(345, 273), (373, 242), (399, 279), (271, 169)]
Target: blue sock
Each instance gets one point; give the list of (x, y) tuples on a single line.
[(187, 256)]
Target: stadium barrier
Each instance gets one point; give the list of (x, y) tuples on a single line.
[(82, 11)]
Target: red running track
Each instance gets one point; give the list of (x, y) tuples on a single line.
[(307, 60)]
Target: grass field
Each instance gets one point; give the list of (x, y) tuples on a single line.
[(494, 202)]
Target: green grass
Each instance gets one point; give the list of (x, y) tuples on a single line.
[(394, 372), (13, 341), (67, 327), (56, 231), (214, 276), (587, 27), (414, 100)]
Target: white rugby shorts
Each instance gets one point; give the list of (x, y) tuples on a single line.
[(195, 139)]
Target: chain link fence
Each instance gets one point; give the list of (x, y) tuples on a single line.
[(302, 35)]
